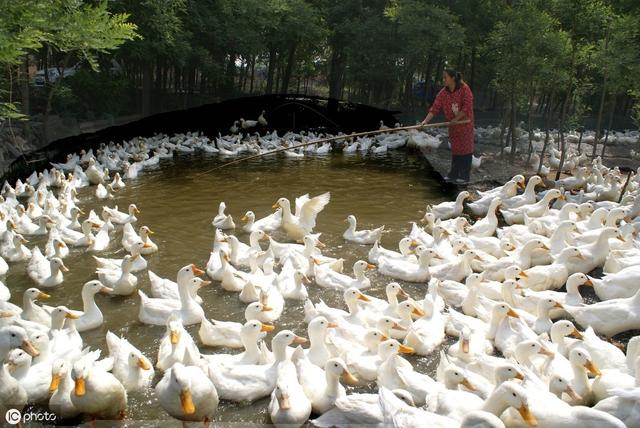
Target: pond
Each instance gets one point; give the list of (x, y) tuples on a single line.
[(178, 200)]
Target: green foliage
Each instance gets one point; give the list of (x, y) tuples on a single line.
[(375, 51), (115, 93)]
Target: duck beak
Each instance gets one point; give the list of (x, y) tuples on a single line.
[(71, 316), (320, 244), (187, 403), (55, 383), (6, 314), (150, 232), (266, 308), (349, 378), (581, 256), (384, 337), (620, 238), (106, 290), (79, 387), (527, 415), (196, 271), (283, 402), (316, 262), (398, 327), (244, 218), (146, 245), (572, 393), (465, 346), (363, 297), (406, 349), (418, 312), (267, 328), (299, 340), (136, 210), (588, 283), (558, 305), (519, 376), (545, 351), (592, 368), (332, 325), (370, 266), (465, 382), (575, 333), (513, 313), (63, 268), (143, 364), (276, 205), (205, 283), (521, 185), (174, 337), (402, 293), (306, 279), (29, 349), (43, 296)]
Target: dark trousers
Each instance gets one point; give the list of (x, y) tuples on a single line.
[(460, 167)]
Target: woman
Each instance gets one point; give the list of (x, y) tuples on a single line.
[(456, 100)]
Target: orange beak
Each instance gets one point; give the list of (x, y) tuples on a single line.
[(196, 271)]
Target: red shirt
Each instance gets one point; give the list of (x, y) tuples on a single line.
[(460, 136)]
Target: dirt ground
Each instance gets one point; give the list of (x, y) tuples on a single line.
[(495, 171)]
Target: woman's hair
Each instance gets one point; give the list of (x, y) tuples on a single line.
[(456, 75)]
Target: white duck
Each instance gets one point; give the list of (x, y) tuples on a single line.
[(249, 382), (44, 272), (364, 236), (91, 317), (228, 333), (130, 366), (328, 278), (97, 392), (123, 218), (187, 394), (221, 220), (447, 210), (269, 223), (120, 280), (407, 271), (304, 220), (157, 311)]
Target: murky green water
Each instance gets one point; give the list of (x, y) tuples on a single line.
[(178, 203)]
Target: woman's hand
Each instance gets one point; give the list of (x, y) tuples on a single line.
[(427, 119)]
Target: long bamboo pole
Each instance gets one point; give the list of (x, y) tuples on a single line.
[(336, 138)]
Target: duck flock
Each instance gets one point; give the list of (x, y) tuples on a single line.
[(501, 272)]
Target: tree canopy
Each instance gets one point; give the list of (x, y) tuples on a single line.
[(572, 57)]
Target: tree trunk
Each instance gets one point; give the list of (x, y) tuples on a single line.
[(514, 137), (52, 91), (602, 96), (532, 94), (503, 125), (546, 132), (336, 70), (286, 78), (147, 72), (271, 69), (563, 116), (473, 66), (24, 95), (610, 124), (253, 74)]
